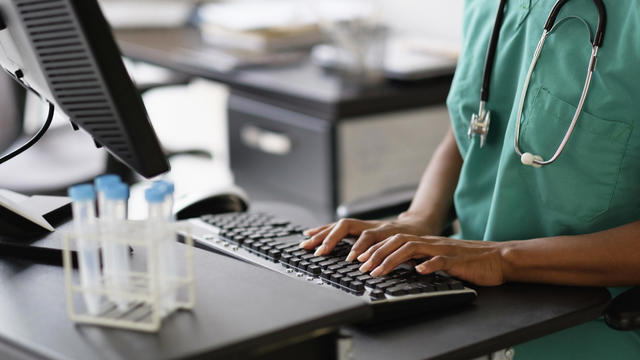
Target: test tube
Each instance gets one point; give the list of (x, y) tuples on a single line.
[(156, 223), (84, 223), (116, 253), (101, 183), (168, 189), (168, 245)]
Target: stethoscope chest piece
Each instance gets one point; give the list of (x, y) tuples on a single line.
[(479, 124)]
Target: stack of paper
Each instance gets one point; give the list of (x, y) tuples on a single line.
[(135, 13), (260, 26), (267, 26)]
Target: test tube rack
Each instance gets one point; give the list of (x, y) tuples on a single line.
[(145, 295)]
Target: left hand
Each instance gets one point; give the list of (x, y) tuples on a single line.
[(479, 262)]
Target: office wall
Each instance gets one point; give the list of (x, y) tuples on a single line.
[(434, 18)]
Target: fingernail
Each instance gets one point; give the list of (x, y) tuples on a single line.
[(365, 267), (351, 256), (306, 232), (304, 243), (319, 251), (376, 272), (419, 268), (362, 257)]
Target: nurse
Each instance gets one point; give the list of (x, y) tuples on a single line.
[(575, 221)]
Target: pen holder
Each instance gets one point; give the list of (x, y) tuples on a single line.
[(131, 276)]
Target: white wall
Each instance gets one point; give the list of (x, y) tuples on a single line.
[(437, 18)]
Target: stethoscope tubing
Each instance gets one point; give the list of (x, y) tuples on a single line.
[(481, 126), (585, 90)]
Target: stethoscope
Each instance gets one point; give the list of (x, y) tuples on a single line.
[(479, 123)]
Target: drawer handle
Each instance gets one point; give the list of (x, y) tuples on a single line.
[(266, 141)]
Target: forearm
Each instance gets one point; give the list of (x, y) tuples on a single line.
[(433, 201), (607, 258)]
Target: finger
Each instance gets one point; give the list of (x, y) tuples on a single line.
[(313, 231), (316, 239), (407, 251), (389, 246), (339, 231), (436, 263), (367, 254), (368, 238)]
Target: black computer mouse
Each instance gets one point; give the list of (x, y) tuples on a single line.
[(214, 201)]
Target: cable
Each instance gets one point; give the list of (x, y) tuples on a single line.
[(33, 140)]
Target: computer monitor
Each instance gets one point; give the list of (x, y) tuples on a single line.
[(64, 51)]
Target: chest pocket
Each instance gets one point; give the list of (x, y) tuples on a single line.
[(581, 182)]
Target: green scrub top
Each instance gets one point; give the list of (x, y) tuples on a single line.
[(595, 183)]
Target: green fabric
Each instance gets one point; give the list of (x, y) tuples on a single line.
[(595, 183)]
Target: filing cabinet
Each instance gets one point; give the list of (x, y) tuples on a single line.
[(320, 153)]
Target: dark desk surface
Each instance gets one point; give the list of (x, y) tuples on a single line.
[(300, 86), (241, 307), (500, 317)]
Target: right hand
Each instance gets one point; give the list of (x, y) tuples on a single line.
[(369, 233)]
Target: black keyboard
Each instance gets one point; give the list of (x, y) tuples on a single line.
[(273, 243)]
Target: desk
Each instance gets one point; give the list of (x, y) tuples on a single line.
[(240, 311), (245, 308), (323, 125)]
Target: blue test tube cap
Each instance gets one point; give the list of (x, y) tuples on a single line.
[(81, 192), (103, 181), (166, 187), (154, 195), (117, 191)]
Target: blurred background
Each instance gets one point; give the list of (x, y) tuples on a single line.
[(282, 97)]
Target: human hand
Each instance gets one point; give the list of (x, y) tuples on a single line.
[(479, 262), (326, 237)]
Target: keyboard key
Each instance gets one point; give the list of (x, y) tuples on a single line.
[(294, 261), (281, 246), (413, 288), (285, 258), (274, 253), (326, 274), (425, 288), (346, 281), (278, 222), (387, 284), (329, 262), (357, 286), (377, 295), (456, 285), (303, 264), (374, 281), (441, 286), (396, 290), (336, 278), (335, 267), (345, 270), (314, 269), (317, 259)]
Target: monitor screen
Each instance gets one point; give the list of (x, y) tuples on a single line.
[(65, 51)]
